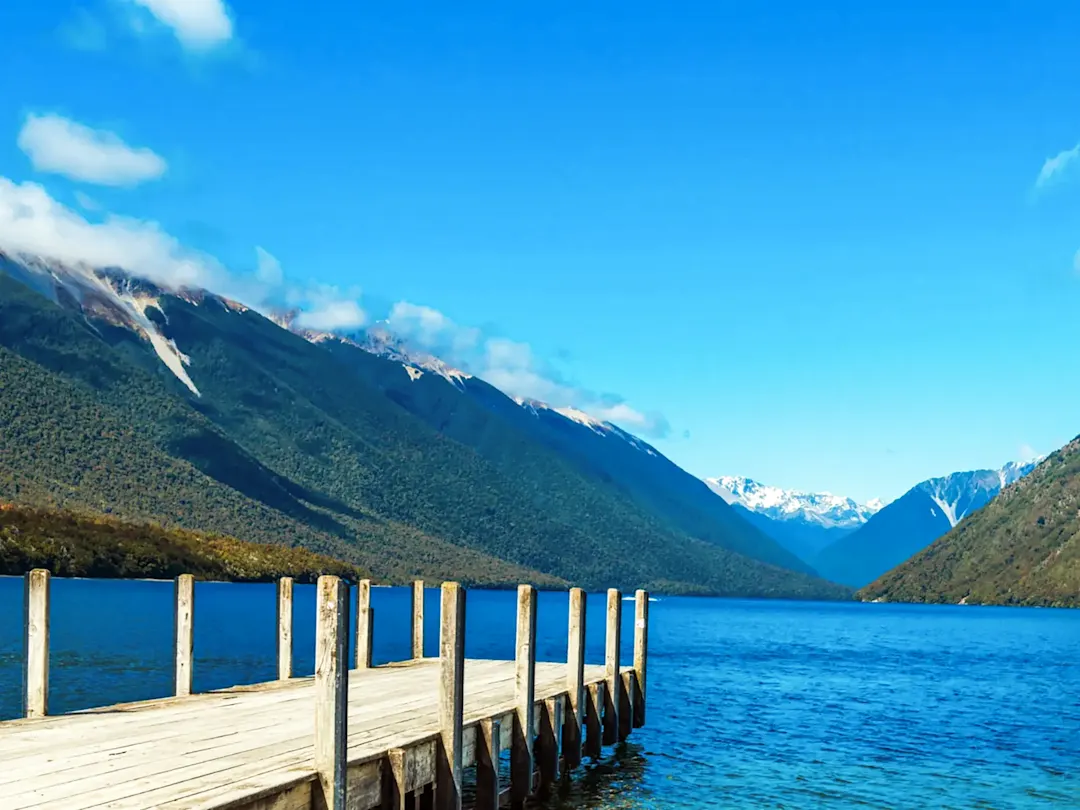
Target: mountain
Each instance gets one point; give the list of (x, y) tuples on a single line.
[(1023, 548), (912, 522), (197, 412), (802, 522)]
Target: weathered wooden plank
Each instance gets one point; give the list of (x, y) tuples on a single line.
[(36, 597), (418, 618), (184, 625), (364, 625), (641, 653), (575, 679), (285, 628), (331, 691), (451, 695), (521, 755), (488, 747), (613, 652)]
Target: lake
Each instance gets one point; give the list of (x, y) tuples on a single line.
[(751, 703)]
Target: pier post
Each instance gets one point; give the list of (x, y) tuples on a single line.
[(575, 679), (184, 623), (614, 682), (451, 696), (36, 594), (521, 753), (488, 746), (285, 626), (365, 624), (547, 744), (594, 712), (395, 781), (641, 654), (331, 690), (418, 618)]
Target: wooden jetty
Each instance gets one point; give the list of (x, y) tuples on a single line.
[(353, 736)]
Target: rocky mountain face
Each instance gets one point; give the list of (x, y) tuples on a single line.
[(912, 522), (192, 410), (803, 522), (1022, 548)]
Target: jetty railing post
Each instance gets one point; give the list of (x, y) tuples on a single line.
[(641, 653), (451, 696), (331, 689), (418, 618), (285, 628), (521, 752), (365, 622), (36, 595), (184, 623), (614, 681), (575, 679), (488, 747)]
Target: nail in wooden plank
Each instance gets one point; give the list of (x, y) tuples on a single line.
[(488, 746), (641, 654), (285, 628), (37, 587), (331, 690), (575, 679), (365, 622), (184, 623), (614, 682), (594, 712), (521, 753), (451, 696), (418, 618)]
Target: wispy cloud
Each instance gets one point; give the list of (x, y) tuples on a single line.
[(1027, 453), (512, 366), (59, 145), (199, 25), (1057, 167)]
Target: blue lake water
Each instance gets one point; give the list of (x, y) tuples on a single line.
[(751, 703)]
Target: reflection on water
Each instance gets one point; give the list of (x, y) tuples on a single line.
[(751, 704)]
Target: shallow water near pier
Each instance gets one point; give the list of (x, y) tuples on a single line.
[(751, 703)]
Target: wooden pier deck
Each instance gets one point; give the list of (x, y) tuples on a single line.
[(395, 736)]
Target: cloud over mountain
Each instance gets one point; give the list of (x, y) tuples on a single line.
[(198, 24), (58, 145)]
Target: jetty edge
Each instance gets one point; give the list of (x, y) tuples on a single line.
[(409, 734)]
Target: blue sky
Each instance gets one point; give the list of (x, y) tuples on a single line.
[(818, 244)]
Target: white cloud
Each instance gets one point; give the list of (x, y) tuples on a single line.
[(198, 24), (1027, 453), (1054, 168), (268, 270), (86, 202), (60, 146), (327, 308), (33, 222), (510, 366)]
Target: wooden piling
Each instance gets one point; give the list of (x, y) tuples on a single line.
[(626, 706), (641, 653), (575, 679), (331, 690), (184, 624), (594, 712), (285, 628), (521, 752), (418, 618), (548, 740), (614, 682), (36, 596), (395, 785), (488, 746), (451, 696), (365, 624)]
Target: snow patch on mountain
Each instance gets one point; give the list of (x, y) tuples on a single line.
[(818, 508), (107, 295), (960, 494)]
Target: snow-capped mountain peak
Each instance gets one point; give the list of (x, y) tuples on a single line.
[(819, 508), (959, 494)]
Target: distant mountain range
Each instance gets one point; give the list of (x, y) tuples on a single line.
[(189, 409), (803, 522), (1022, 548), (912, 522)]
